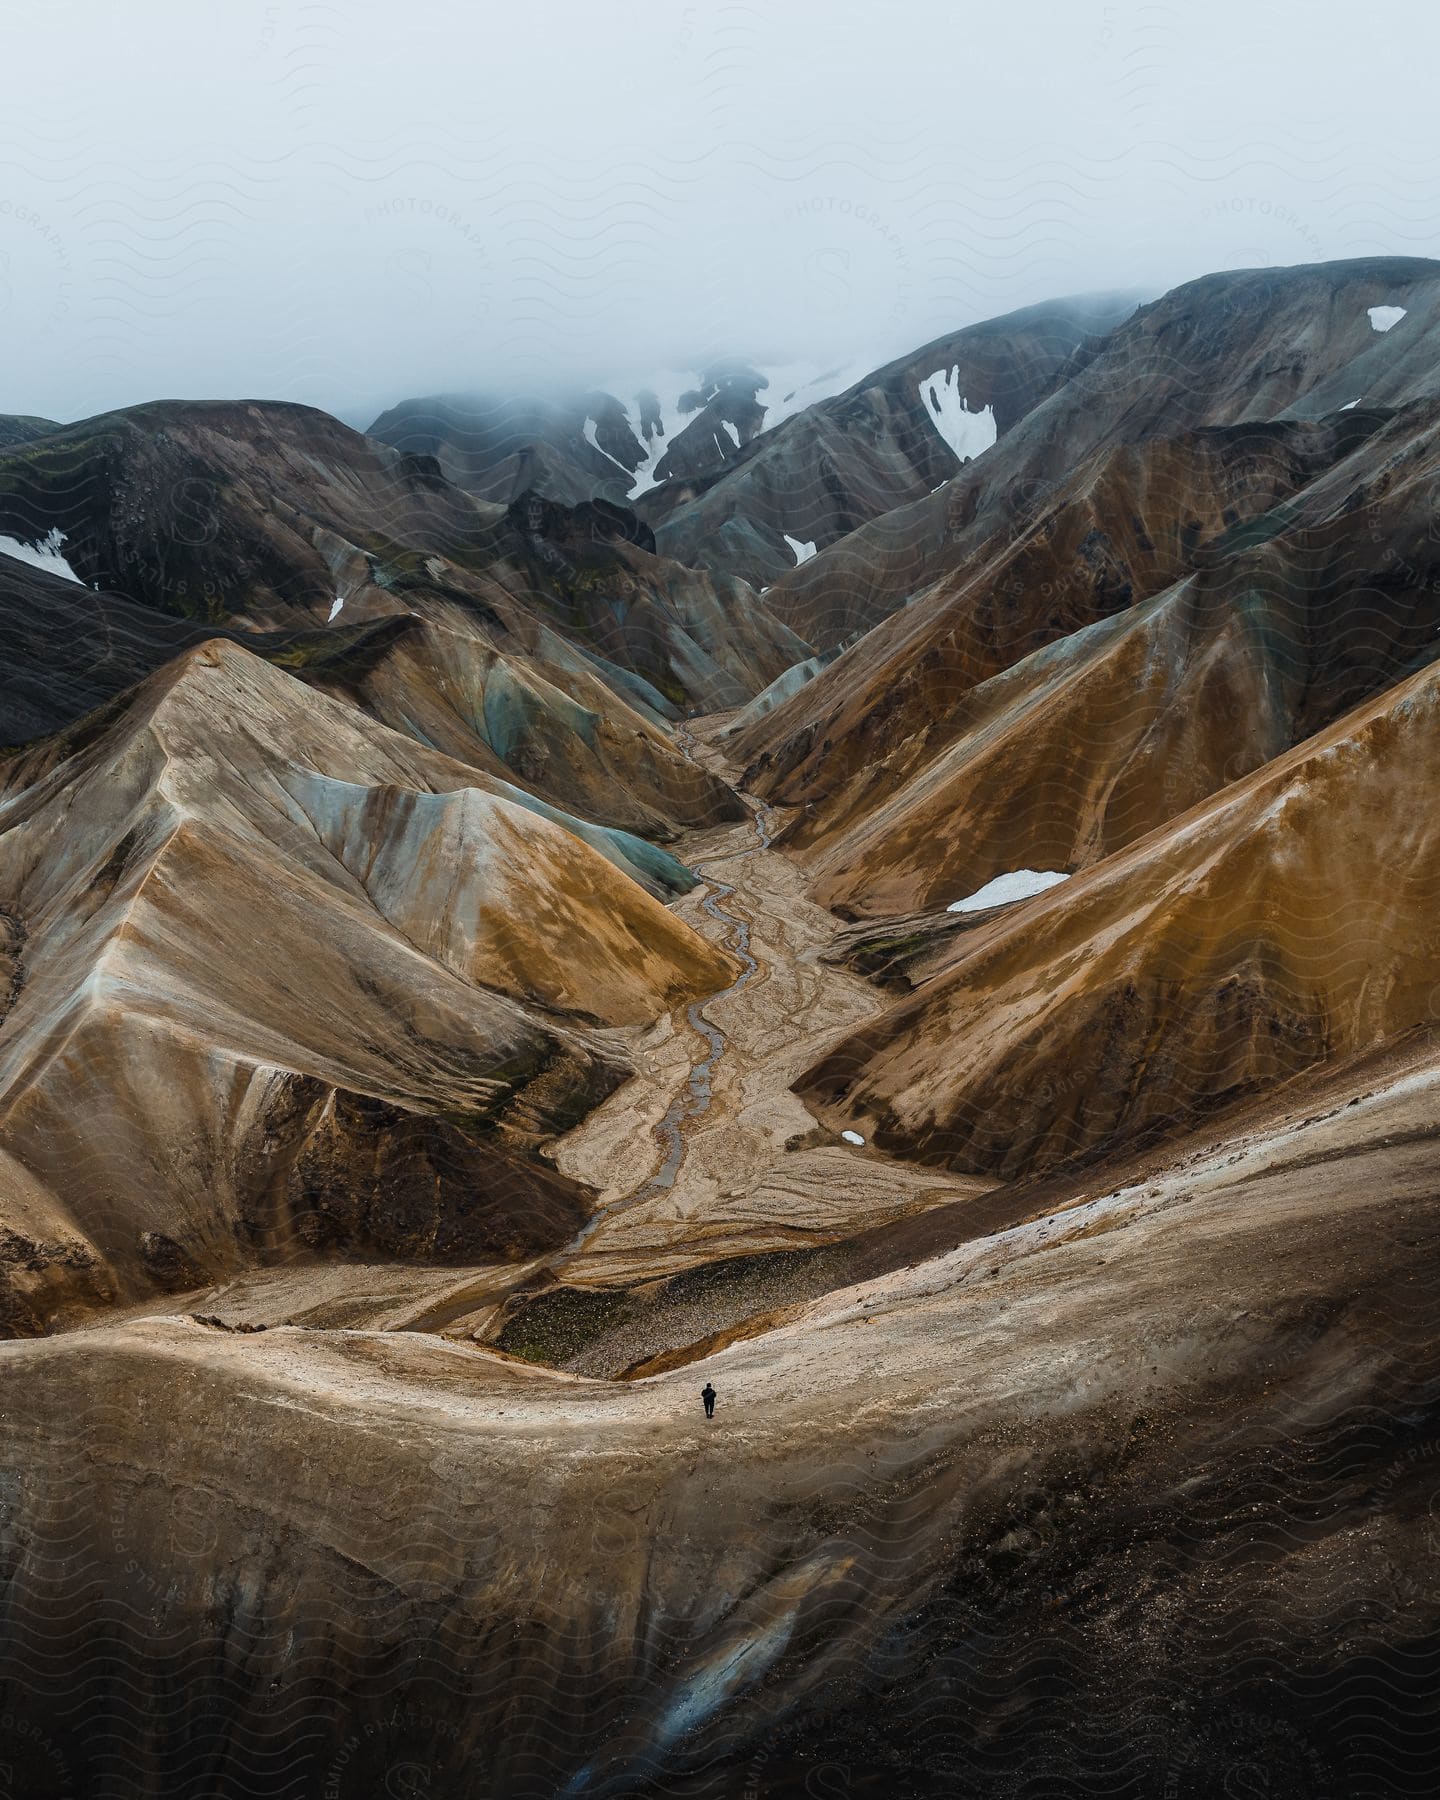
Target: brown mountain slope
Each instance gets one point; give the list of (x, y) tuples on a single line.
[(1281, 923), (1129, 523), (276, 518), (1064, 1498), (818, 475), (1074, 1318), (1071, 754), (541, 716), (283, 978), (929, 783), (1240, 347)]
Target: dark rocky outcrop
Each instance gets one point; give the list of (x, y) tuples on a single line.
[(259, 519)]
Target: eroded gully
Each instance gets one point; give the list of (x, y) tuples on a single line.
[(694, 1099)]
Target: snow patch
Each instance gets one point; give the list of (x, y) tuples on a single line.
[(800, 551), (790, 388), (795, 386), (45, 553), (852, 1137), (1020, 884), (1383, 317), (1349, 403), (339, 601), (668, 390), (593, 441), (966, 432)]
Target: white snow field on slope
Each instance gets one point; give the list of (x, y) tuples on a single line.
[(335, 607), (791, 387), (1020, 884), (794, 386), (967, 433), (852, 1137), (668, 389), (46, 554), (802, 552), (1383, 317), (591, 427)]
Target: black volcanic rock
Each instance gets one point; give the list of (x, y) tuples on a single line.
[(498, 447), (550, 655), (728, 414), (24, 428), (589, 522), (69, 648)]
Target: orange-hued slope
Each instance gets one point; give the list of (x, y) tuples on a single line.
[(281, 977), (1283, 922)]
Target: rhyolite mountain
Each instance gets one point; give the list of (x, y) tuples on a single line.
[(1087, 684), (895, 435), (554, 642), (1291, 544), (743, 471), (1240, 348), (588, 445), (909, 898), (353, 979)]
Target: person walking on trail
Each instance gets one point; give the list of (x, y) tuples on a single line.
[(707, 1394)]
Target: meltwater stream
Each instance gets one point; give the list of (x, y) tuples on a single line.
[(693, 1100)]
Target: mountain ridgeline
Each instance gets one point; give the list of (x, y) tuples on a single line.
[(902, 893)]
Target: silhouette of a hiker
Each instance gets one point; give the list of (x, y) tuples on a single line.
[(707, 1394)]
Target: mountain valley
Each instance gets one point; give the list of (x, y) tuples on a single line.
[(911, 901)]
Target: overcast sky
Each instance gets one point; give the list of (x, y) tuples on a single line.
[(345, 201)]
